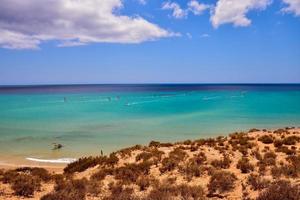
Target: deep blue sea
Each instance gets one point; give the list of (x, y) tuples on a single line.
[(86, 119)]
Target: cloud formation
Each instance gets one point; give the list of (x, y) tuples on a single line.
[(234, 11), (177, 11), (26, 24), (293, 6), (196, 7)]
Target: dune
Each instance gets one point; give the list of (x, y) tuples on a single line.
[(257, 164)]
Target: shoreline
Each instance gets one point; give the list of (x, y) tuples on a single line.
[(58, 166), (242, 165), (11, 162)]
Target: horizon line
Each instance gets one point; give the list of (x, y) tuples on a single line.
[(171, 83)]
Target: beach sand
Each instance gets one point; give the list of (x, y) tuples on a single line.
[(240, 166)]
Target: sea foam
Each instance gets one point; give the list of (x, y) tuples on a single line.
[(60, 160)]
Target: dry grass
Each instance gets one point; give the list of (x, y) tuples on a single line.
[(242, 166), (280, 190)]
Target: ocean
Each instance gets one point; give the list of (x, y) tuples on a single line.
[(88, 119)]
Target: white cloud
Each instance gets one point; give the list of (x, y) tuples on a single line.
[(177, 11), (26, 24), (15, 40), (204, 35), (234, 11), (196, 7), (293, 6)]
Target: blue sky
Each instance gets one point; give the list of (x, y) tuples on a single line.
[(152, 42)]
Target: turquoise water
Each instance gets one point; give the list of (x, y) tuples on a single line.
[(88, 121)]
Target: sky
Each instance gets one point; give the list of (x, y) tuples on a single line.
[(149, 41)]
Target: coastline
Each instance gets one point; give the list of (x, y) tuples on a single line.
[(240, 165)]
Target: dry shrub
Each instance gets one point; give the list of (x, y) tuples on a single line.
[(171, 162), (111, 160), (162, 191), (143, 156), (286, 170), (266, 139), (291, 170), (211, 142), (25, 185), (166, 144), (221, 164), (244, 165), (280, 131), (241, 142), (154, 144), (269, 158), (127, 151), (286, 150), (153, 153), (278, 143), (38, 172), (253, 130), (87, 162), (187, 142), (221, 181), (191, 169), (257, 182), (166, 191), (256, 154), (130, 172), (102, 173), (261, 168), (191, 192), (82, 164), (294, 161), (280, 190), (94, 187), (144, 182), (168, 164), (178, 153), (68, 190), (291, 140), (194, 148), (118, 192), (9, 176), (200, 158)]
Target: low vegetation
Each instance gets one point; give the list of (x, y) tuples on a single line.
[(258, 164)]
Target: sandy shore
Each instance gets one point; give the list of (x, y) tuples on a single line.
[(247, 165)]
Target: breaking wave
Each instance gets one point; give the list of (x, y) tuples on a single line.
[(60, 160)]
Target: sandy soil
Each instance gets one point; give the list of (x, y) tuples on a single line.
[(216, 151)]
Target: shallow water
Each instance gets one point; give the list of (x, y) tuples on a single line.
[(88, 119)]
